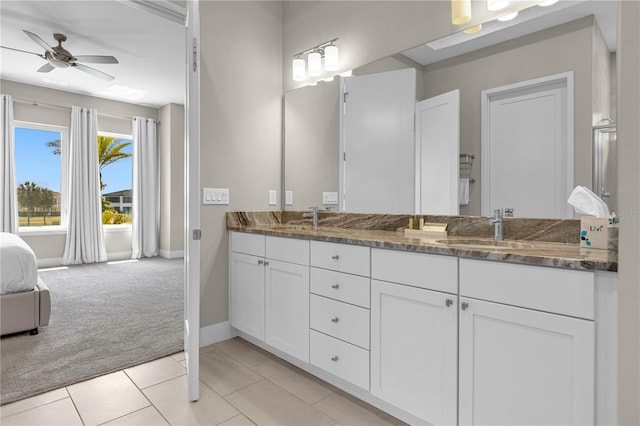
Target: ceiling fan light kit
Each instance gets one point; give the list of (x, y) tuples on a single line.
[(59, 57)]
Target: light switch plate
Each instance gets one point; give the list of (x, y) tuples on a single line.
[(273, 195), (215, 196), (330, 198), (289, 198)]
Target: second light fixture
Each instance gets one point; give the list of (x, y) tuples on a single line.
[(326, 50)]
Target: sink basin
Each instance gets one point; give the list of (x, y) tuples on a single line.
[(485, 244)]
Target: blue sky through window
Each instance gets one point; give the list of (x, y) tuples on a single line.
[(35, 162)]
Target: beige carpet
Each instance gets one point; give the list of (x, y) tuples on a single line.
[(104, 317)]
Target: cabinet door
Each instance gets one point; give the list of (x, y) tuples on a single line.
[(287, 308), (246, 298), (414, 350), (519, 366)]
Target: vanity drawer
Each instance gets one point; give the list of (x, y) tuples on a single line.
[(243, 242), (560, 291), (433, 272), (288, 250), (348, 288), (341, 359), (341, 257), (341, 320)]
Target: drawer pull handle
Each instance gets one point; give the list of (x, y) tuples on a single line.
[(464, 306), (448, 302), (335, 358), (336, 319), (336, 286), (335, 257)]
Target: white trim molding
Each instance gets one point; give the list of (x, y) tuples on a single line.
[(216, 333), (171, 254)]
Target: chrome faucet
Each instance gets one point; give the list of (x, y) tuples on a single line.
[(498, 222), (314, 215)]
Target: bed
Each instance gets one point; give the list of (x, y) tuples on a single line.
[(25, 302)]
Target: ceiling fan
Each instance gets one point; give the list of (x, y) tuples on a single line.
[(59, 57)]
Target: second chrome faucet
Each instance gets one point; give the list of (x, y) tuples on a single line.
[(314, 215), (498, 222)]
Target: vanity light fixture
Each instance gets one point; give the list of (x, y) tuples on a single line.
[(460, 11), (547, 3), (508, 16), (315, 64), (494, 5), (299, 69), (314, 58)]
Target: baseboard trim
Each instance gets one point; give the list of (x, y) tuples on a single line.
[(216, 333), (122, 255), (49, 262), (171, 254)]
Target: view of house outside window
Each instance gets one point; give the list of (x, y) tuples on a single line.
[(40, 178), (116, 177), (38, 175)]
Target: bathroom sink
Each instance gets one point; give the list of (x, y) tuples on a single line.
[(485, 244)]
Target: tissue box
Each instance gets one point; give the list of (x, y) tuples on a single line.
[(594, 231)]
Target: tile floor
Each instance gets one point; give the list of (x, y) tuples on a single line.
[(240, 384)]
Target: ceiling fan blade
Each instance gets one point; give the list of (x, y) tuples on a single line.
[(24, 51), (40, 41), (96, 59), (93, 71), (46, 67)]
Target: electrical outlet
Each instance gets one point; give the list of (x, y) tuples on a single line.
[(273, 195), (289, 198), (330, 198)]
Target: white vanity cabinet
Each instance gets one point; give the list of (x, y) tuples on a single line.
[(246, 283), (269, 291), (527, 345), (414, 332), (340, 288)]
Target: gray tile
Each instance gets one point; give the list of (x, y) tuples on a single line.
[(348, 410), (155, 372), (224, 374), (145, 417), (248, 354), (61, 412), (295, 381), (267, 404), (33, 402)]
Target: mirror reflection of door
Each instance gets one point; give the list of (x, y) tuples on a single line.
[(377, 141), (527, 147)]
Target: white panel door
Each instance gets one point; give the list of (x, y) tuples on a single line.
[(438, 154), (377, 141), (414, 350), (524, 367), (287, 308), (246, 298), (527, 148), (192, 205)]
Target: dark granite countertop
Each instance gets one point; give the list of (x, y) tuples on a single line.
[(543, 242)]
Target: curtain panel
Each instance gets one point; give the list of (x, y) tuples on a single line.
[(85, 240), (8, 202), (145, 207)]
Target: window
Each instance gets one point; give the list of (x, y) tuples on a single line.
[(115, 153), (40, 174)]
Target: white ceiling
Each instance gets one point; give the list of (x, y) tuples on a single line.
[(150, 48), (531, 20)]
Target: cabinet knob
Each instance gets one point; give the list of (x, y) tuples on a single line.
[(335, 257), (335, 286), (335, 358), (335, 319), (448, 302), (266, 263), (260, 262), (465, 306)]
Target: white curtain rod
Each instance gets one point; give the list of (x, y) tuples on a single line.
[(36, 103)]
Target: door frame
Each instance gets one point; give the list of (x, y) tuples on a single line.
[(486, 97)]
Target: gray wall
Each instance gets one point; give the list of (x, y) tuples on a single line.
[(241, 111), (628, 55), (567, 47), (171, 173)]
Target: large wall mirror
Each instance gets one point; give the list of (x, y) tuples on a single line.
[(557, 66)]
